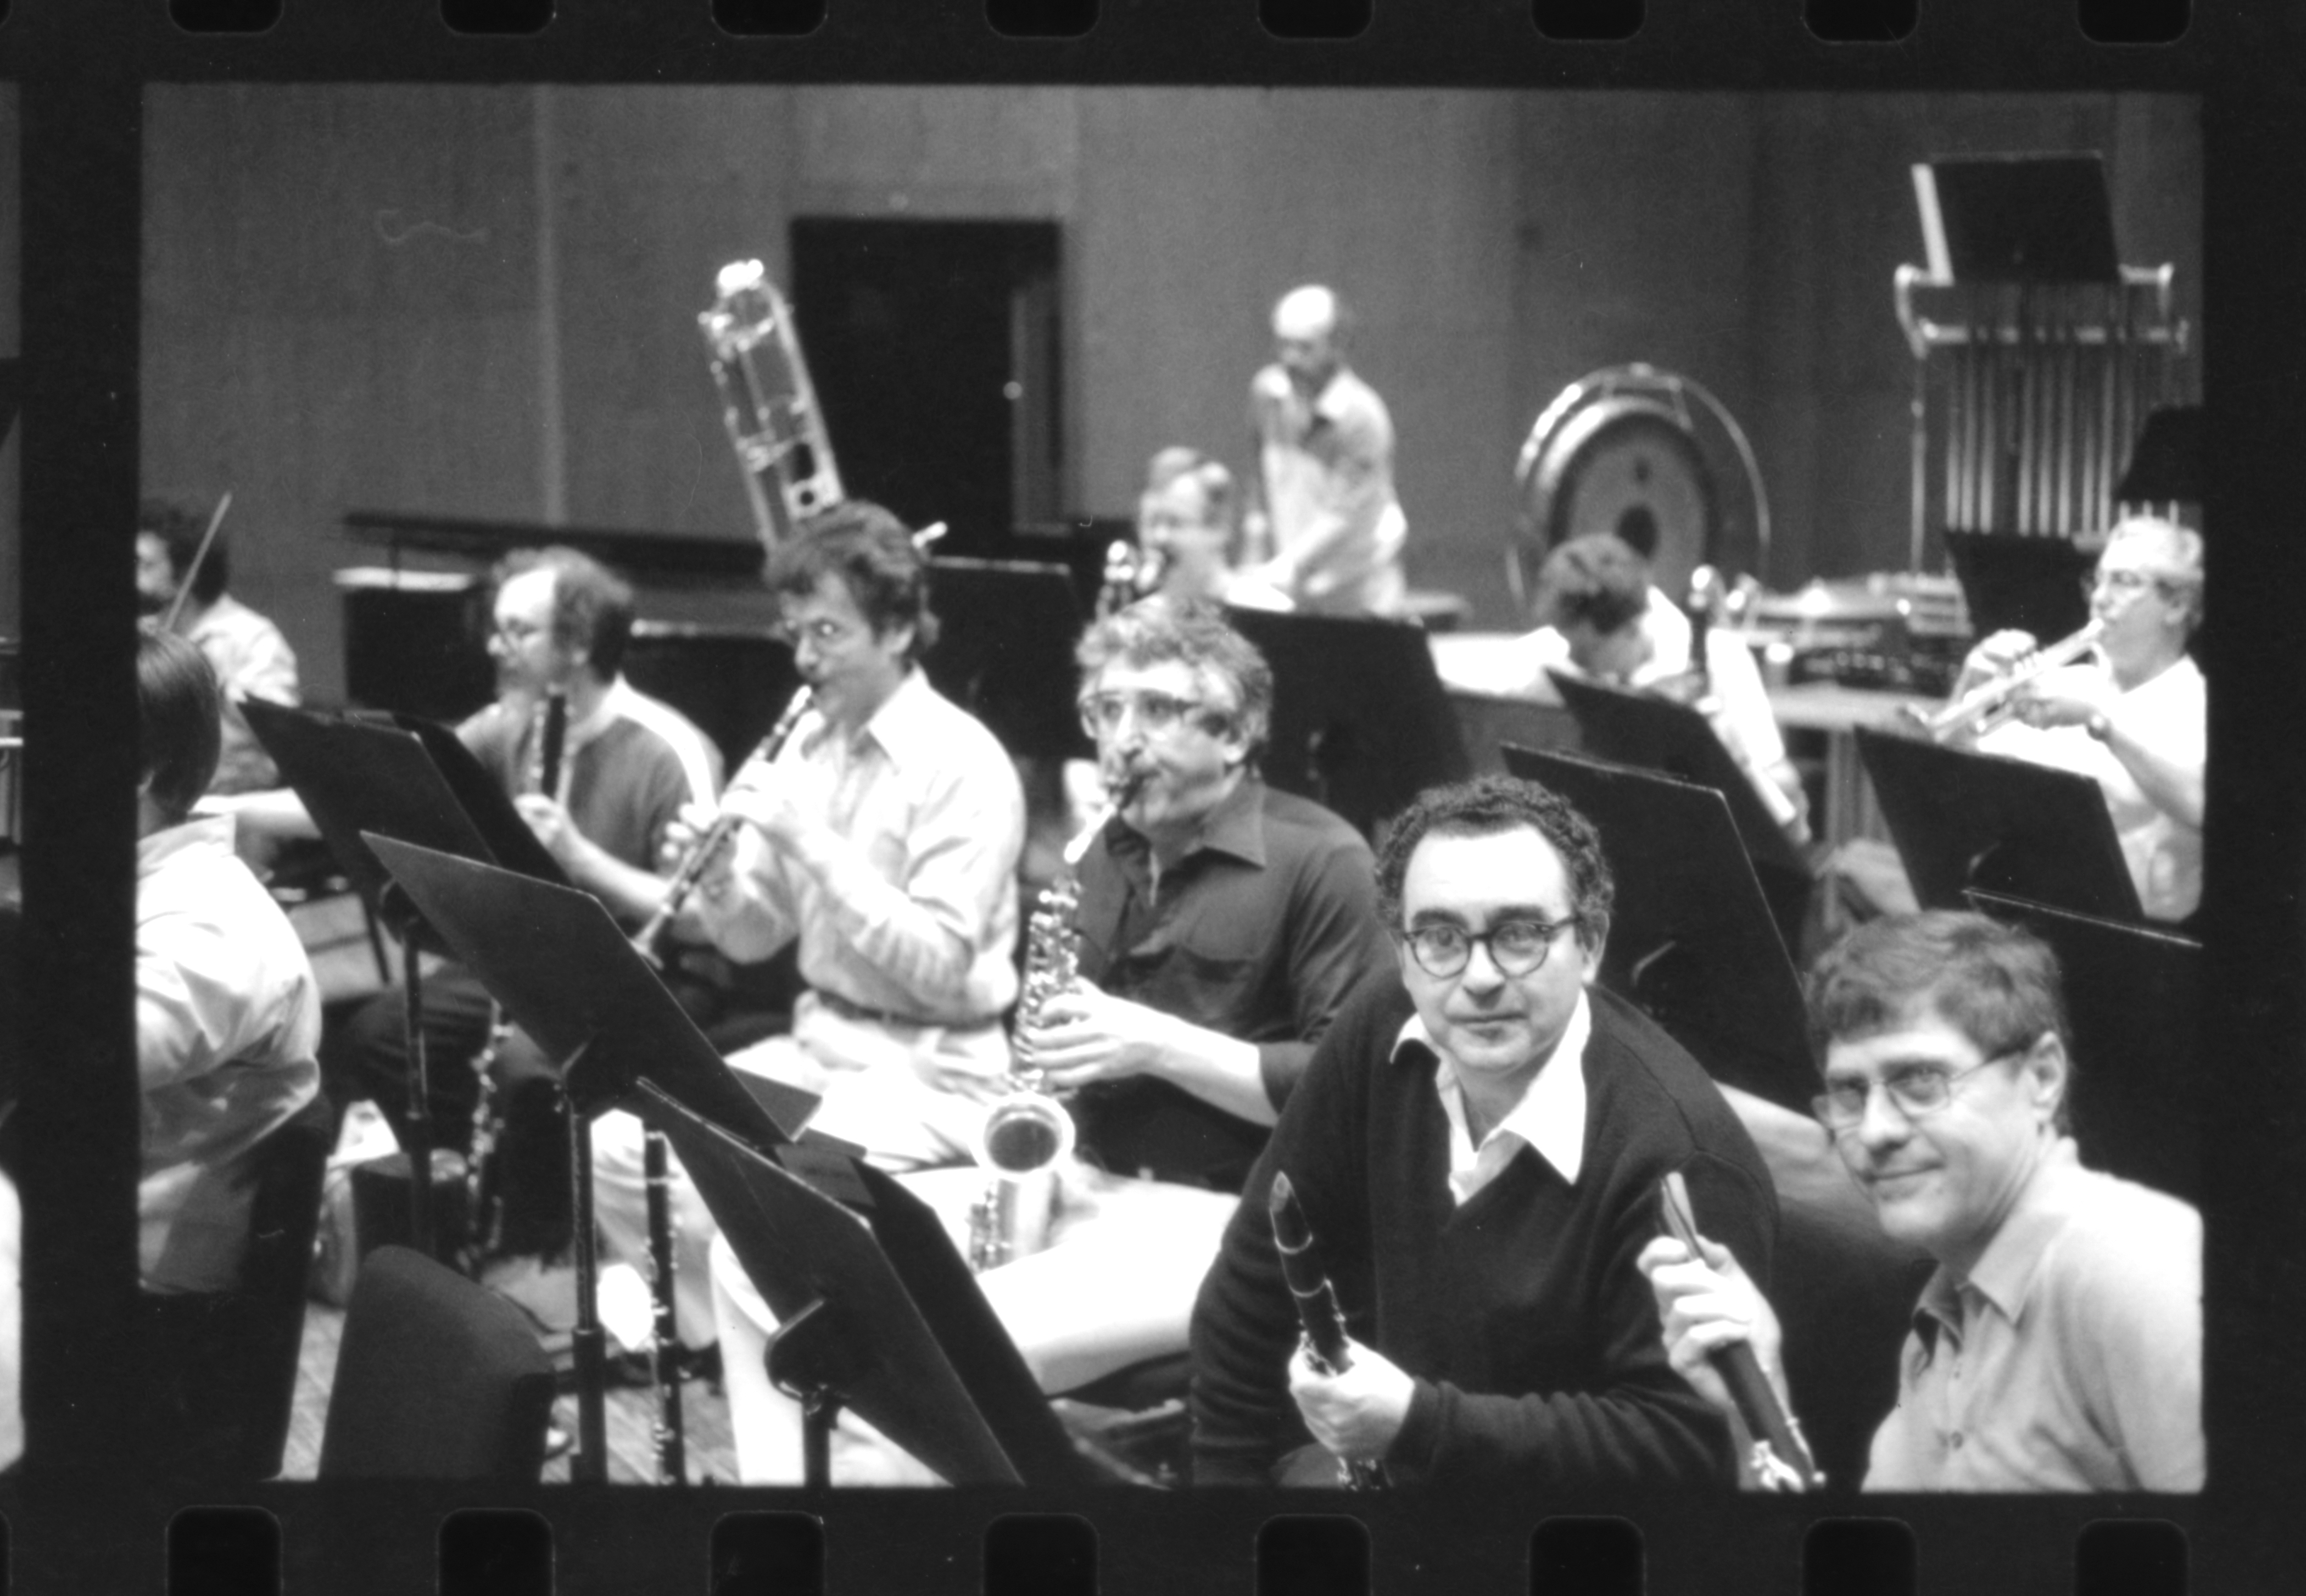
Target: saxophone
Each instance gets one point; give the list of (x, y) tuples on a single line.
[(768, 404), (1026, 1136)]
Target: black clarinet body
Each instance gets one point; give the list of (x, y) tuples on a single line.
[(671, 1450), (1319, 1313)]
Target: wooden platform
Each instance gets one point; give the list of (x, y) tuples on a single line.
[(631, 1418)]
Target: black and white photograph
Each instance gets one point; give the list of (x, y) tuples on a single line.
[(884, 803)]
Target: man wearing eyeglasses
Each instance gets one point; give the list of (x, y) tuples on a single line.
[(1477, 1145), (2058, 1345), (2133, 714)]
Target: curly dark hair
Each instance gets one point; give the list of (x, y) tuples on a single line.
[(875, 556), (1485, 807), (1998, 985), (1195, 631)]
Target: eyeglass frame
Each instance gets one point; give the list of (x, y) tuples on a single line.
[(1819, 1105), (2126, 581), (1407, 936), (1157, 712)]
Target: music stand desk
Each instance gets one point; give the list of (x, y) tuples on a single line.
[(1692, 940), (1962, 819)]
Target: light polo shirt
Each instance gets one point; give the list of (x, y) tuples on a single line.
[(1550, 1119), (2072, 1357)]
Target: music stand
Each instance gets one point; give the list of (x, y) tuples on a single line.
[(2134, 1001), (1692, 942), (2017, 219), (1004, 651), (1651, 733), (565, 973), (1361, 724), (2166, 464), (876, 1311), (1962, 819), (2033, 584), (413, 780)]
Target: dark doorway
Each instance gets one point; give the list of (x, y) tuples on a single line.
[(933, 349)]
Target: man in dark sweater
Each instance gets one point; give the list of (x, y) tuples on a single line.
[(1478, 1144)]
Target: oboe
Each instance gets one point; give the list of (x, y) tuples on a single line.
[(1318, 1312), (717, 836), (1780, 1458)]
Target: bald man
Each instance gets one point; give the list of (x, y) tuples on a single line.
[(1329, 528)]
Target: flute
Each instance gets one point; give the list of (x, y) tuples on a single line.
[(717, 836), (1317, 1312)]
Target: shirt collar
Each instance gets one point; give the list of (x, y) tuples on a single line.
[(1551, 1116), (904, 727), (615, 701), (202, 833), (1236, 826)]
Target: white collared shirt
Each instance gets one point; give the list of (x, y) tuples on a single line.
[(1550, 1119)]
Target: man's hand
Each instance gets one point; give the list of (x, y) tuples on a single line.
[(1993, 657), (1090, 1034), (1357, 1413), (552, 826), (1705, 1304), (773, 803), (2069, 695)]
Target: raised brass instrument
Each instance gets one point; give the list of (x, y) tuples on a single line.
[(1995, 702), (718, 835), (768, 404), (1132, 572), (1318, 1314), (1026, 1135)]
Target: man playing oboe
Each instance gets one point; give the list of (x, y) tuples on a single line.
[(1477, 1144), (2058, 1345)]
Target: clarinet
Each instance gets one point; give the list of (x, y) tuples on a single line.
[(664, 1365), (1780, 1458), (1317, 1312), (717, 836)]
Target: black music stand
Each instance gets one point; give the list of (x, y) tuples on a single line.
[(1656, 734), (876, 1311), (557, 962), (1691, 940), (1962, 819), (2033, 584), (2166, 464), (411, 779), (1004, 651), (2017, 219), (1360, 723), (2133, 1001)]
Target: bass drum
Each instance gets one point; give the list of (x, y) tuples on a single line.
[(1623, 451)]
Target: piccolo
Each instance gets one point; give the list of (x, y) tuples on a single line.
[(1780, 1458), (718, 835), (1317, 1311)]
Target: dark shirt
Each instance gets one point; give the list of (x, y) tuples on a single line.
[(1532, 1336), (1260, 932)]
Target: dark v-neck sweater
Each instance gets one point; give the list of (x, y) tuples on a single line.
[(1532, 1336)]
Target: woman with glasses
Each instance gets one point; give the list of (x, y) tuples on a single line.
[(2132, 714), (2057, 1347), (1478, 1145)]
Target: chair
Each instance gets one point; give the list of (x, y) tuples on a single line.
[(225, 1363), (436, 1378)]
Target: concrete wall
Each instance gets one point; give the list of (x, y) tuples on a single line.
[(482, 301)]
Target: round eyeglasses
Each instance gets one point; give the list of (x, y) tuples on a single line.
[(1915, 1090), (1101, 713), (1517, 946)]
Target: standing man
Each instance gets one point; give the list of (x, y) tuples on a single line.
[(2058, 1346), (1478, 1145), (250, 658), (2133, 715), (884, 841), (628, 764), (1329, 531)]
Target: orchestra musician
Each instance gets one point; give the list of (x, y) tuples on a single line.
[(250, 658), (227, 1020), (629, 763), (1327, 529), (1478, 1144), (1600, 617), (883, 840), (1186, 528), (2133, 715), (2057, 1345), (1221, 926)]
